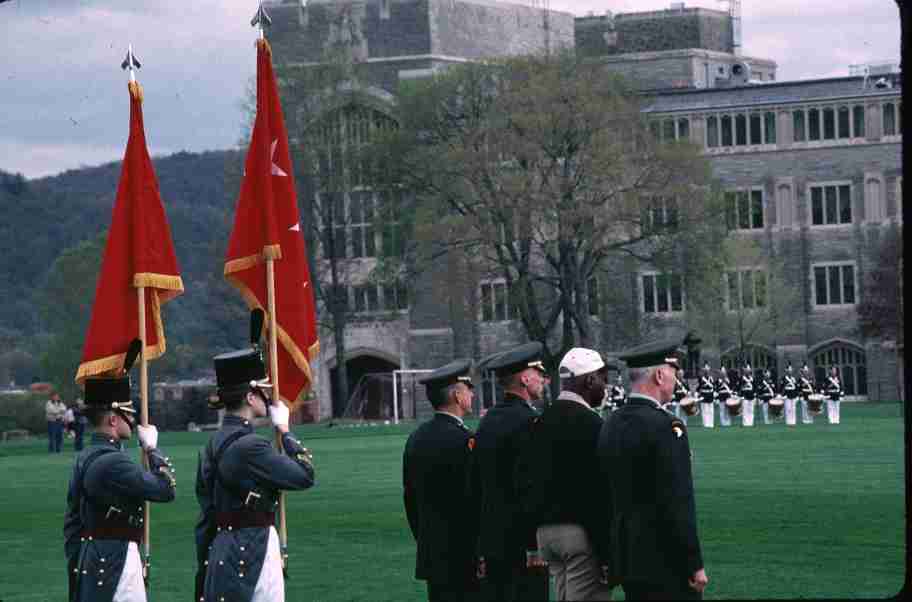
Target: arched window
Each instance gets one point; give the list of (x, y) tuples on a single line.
[(760, 358), (849, 361)]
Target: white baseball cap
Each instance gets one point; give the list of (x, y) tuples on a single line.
[(579, 361)]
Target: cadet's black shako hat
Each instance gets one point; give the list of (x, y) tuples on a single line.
[(657, 353), (435, 382), (241, 368), (108, 394), (518, 359)]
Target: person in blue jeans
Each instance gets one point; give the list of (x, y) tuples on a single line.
[(55, 410)]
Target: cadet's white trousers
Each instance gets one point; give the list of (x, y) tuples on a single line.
[(766, 412), (806, 416), (833, 411), (790, 412), (747, 412), (270, 586), (724, 416), (130, 587), (708, 413)]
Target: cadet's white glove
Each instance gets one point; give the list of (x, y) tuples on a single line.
[(148, 436), (278, 414)]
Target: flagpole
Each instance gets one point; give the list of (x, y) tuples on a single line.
[(274, 373), (144, 417)]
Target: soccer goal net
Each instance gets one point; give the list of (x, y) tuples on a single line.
[(387, 397)]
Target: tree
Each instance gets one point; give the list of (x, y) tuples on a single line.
[(880, 312), (745, 298), (543, 169), (66, 305)]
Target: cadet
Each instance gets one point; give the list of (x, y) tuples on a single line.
[(707, 391), (765, 393), (788, 388), (511, 566), (806, 388), (833, 390), (618, 395), (645, 467), (104, 518), (747, 395), (238, 480), (440, 503), (723, 392), (680, 392)]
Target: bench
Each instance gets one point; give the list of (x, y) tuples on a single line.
[(14, 434)]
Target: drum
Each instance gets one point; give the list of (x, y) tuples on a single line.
[(690, 405), (815, 403), (734, 406), (776, 406)]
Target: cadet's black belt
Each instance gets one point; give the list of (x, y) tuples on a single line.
[(123, 533), (243, 520)]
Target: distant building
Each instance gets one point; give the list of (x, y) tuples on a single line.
[(817, 164)]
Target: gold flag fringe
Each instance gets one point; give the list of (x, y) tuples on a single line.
[(263, 42), (113, 364), (245, 263), (161, 281), (287, 342), (136, 90)]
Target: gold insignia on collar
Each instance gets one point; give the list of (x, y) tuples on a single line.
[(471, 443)]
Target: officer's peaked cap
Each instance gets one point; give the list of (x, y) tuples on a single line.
[(435, 382), (518, 359), (667, 351)]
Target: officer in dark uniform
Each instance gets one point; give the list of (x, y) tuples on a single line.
[(512, 569), (440, 504), (104, 519), (239, 477), (645, 465)]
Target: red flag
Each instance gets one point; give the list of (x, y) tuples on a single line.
[(139, 252), (267, 225)]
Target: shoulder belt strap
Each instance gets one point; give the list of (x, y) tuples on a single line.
[(216, 458)]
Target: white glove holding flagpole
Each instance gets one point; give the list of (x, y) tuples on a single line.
[(278, 414), (148, 436)]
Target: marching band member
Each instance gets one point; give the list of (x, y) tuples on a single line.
[(806, 388), (747, 394), (788, 388), (707, 391), (766, 393), (617, 395), (833, 389), (723, 392), (680, 392)]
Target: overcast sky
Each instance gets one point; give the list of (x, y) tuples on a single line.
[(63, 97)]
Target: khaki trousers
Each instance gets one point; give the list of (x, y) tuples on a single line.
[(571, 562)]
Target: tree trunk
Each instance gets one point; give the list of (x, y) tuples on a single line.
[(341, 368)]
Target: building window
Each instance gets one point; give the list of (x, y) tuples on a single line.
[(834, 284), (338, 297), (831, 205), (798, 126), (495, 302), (395, 296), (367, 299), (391, 233), (670, 129), (726, 130), (850, 366), (769, 129), (814, 124), (858, 121), (756, 132), (712, 131), (361, 227), (758, 357), (746, 289), (829, 124), (683, 128), (889, 119), (745, 209), (843, 123), (740, 129), (661, 214), (663, 293)]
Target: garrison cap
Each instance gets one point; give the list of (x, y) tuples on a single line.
[(240, 368), (108, 394), (668, 351), (518, 359), (455, 372)]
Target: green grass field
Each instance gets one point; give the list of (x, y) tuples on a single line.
[(805, 512)]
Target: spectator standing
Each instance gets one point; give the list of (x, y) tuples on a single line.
[(55, 411)]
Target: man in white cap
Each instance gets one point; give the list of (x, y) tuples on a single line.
[(557, 480)]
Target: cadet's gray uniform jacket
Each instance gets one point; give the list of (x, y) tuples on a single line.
[(250, 475), (104, 513)]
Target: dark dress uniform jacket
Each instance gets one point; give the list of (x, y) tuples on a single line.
[(504, 537), (571, 431), (645, 464), (250, 475), (440, 503), (107, 491), (706, 389), (789, 387)]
